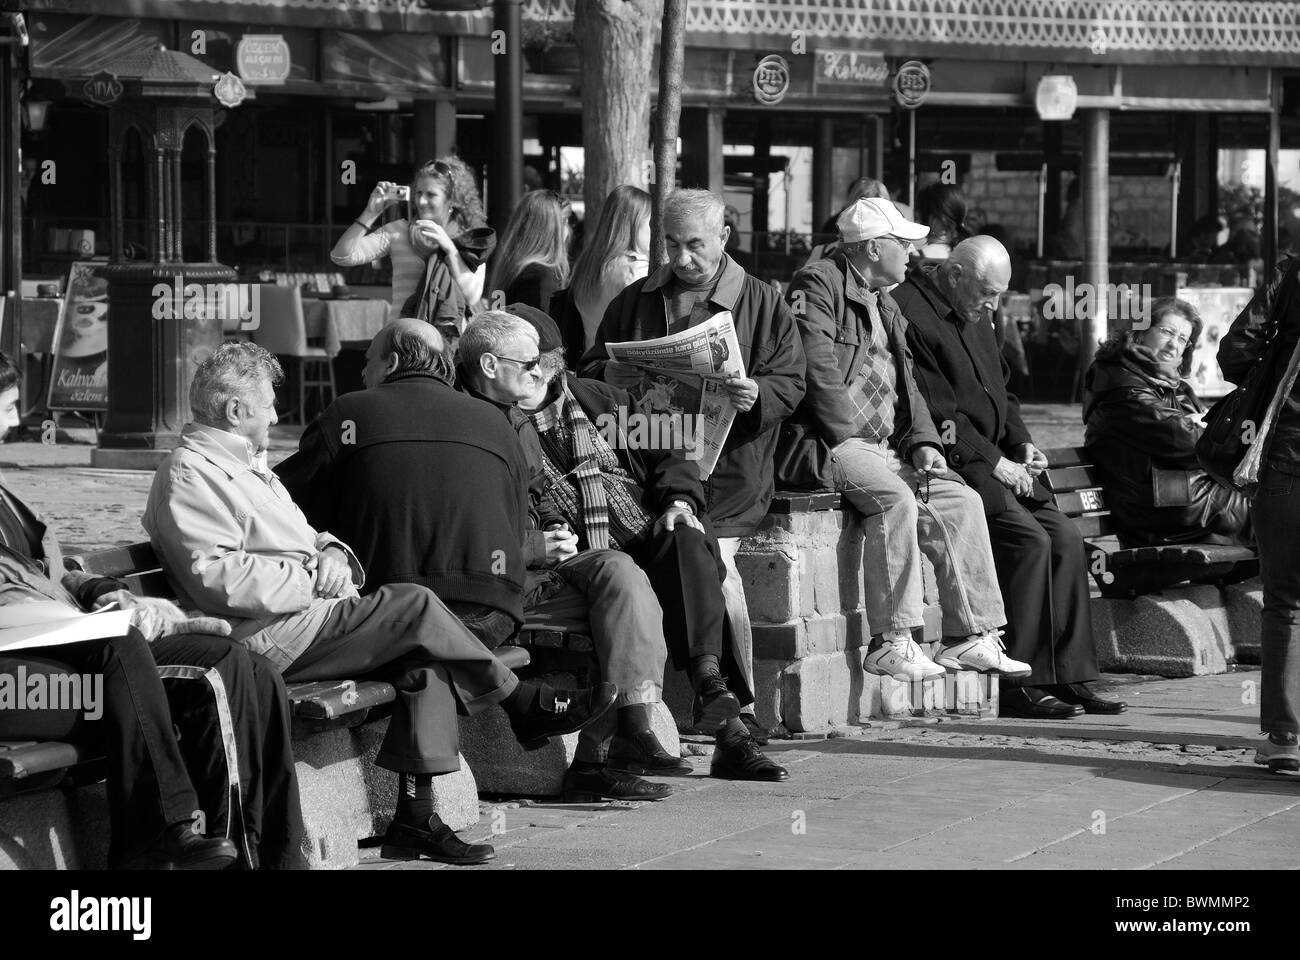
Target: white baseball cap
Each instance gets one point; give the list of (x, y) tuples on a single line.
[(869, 218)]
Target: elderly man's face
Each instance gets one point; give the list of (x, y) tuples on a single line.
[(517, 371), (256, 416), (977, 292), (694, 250)]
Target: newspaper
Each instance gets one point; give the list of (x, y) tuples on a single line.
[(683, 378), (49, 623)]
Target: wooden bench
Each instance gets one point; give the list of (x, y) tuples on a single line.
[(1121, 571), (314, 706)]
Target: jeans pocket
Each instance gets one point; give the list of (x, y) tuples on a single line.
[(1276, 484)]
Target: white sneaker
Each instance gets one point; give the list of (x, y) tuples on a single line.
[(983, 652), (899, 657)]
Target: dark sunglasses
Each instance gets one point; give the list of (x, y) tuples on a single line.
[(525, 365)]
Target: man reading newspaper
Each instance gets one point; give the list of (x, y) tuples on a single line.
[(699, 283)]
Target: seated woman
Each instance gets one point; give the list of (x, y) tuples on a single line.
[(617, 254), (1143, 421), (532, 262)]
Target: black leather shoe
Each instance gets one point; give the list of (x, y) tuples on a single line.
[(1034, 703), (433, 841), (182, 849), (759, 733), (561, 711), (743, 760), (1082, 695), (714, 704), (591, 786), (645, 755)]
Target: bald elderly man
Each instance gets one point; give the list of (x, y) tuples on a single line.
[(1040, 557)]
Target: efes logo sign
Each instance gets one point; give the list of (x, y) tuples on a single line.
[(771, 80), (912, 84), (230, 90)]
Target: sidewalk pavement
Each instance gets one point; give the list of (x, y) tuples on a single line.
[(1167, 785)]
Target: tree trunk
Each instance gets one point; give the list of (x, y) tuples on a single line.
[(616, 47), (672, 53)]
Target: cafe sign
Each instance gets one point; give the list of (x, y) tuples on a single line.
[(912, 84), (771, 80), (102, 89), (850, 69), (263, 58)]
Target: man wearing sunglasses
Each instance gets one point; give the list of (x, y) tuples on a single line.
[(864, 429), (499, 360)]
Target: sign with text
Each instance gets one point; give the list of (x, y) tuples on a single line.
[(850, 70), (79, 375), (263, 58)]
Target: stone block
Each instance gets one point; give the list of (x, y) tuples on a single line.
[(1168, 635), (502, 766), (971, 693), (36, 832), (798, 638), (774, 587), (345, 797), (821, 691), (895, 696), (1245, 603), (767, 691)]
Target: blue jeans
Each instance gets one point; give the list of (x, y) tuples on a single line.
[(1276, 517), (950, 528)]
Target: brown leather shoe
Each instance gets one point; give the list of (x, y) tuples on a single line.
[(1034, 703)]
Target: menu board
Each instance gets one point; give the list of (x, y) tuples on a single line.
[(79, 378), (1218, 307)]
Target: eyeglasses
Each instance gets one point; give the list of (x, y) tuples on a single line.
[(442, 168), (905, 244), (525, 365)]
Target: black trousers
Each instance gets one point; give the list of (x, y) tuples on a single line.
[(264, 812), (686, 571), (1042, 568), (148, 786)]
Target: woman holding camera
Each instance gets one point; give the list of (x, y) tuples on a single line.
[(442, 204)]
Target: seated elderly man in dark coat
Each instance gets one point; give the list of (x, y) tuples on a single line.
[(1143, 420), (1040, 557)]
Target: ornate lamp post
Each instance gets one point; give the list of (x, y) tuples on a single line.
[(152, 353)]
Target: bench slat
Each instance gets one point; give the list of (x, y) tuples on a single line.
[(120, 561), (793, 501), (1095, 526), (1077, 502), (1067, 457), (330, 699), (25, 759), (1065, 479)]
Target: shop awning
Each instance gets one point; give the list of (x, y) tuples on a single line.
[(408, 16)]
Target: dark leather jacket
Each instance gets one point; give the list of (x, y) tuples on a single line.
[(1137, 420), (1244, 345)]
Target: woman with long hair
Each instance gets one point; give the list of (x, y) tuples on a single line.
[(1143, 420), (532, 261), (942, 207), (617, 253), (443, 205)]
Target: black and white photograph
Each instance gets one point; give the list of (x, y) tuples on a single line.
[(758, 436)]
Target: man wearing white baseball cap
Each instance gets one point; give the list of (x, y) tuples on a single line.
[(865, 430)]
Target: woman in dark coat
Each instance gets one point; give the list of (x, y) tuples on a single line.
[(1143, 421)]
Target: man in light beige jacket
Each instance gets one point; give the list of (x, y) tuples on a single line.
[(234, 545)]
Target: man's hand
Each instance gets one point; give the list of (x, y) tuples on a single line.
[(1035, 460), (333, 573), (677, 514), (155, 617), (625, 375), (926, 459), (743, 392), (561, 543), (1014, 477)]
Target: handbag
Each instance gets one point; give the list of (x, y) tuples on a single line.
[(1232, 424), (1171, 488)]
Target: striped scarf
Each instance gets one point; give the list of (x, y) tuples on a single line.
[(566, 411)]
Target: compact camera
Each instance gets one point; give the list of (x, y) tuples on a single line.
[(400, 193)]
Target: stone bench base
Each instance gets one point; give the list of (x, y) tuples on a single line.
[(1183, 631), (345, 798), (502, 766)]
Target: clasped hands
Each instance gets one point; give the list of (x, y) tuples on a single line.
[(1018, 475)]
